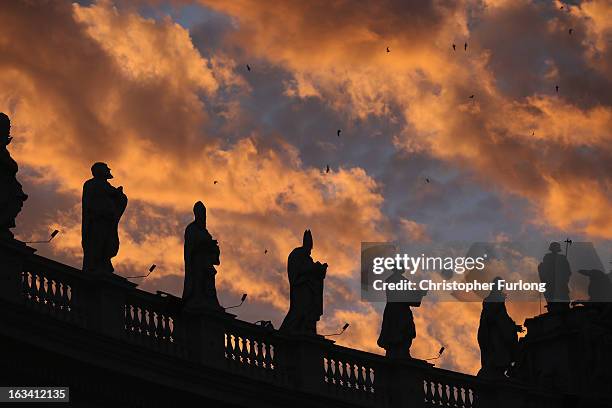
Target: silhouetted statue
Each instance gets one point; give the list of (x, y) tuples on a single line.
[(600, 292), (398, 329), (201, 255), (554, 270), (497, 335), (11, 192), (305, 289), (103, 206)]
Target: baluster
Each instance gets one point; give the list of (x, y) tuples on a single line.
[(352, 377), (326, 370), (159, 327), (128, 318), (272, 350), (429, 397), (370, 380), (65, 298), (337, 375), (268, 356), (57, 295), (24, 286), (51, 294), (438, 392), (137, 319), (148, 318), (34, 288), (463, 396), (360, 378), (42, 292), (444, 394), (470, 402), (345, 377), (452, 400), (260, 354), (244, 352), (168, 335), (235, 348), (152, 329), (252, 354)]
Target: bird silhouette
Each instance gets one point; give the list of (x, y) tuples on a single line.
[(265, 251), (465, 47), (248, 67), (427, 179), (570, 31), (557, 88), (339, 130), (471, 96), (215, 182), (327, 169), (388, 50), (454, 47), (533, 133)]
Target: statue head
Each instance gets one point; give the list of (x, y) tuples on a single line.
[(199, 211), (554, 247), (307, 240), (5, 129), (101, 170), (497, 294)]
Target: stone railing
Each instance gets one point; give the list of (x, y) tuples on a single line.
[(252, 350), (351, 374), (52, 288), (116, 308), (153, 321)]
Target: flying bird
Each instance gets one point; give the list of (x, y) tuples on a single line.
[(339, 130), (388, 50), (465, 47), (327, 170), (557, 88), (427, 179), (570, 31), (454, 47), (471, 96), (215, 182), (248, 67), (265, 251)]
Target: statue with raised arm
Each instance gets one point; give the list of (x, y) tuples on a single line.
[(103, 206), (305, 289), (398, 330), (497, 335), (554, 270), (11, 192), (201, 255)]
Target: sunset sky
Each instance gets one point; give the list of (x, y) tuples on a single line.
[(160, 91)]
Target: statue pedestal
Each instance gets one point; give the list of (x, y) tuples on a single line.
[(205, 329), (302, 358), (104, 302), (568, 352), (13, 254)]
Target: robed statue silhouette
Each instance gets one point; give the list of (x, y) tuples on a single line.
[(398, 330), (554, 270), (305, 289), (497, 335), (201, 254), (103, 206), (11, 192)]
